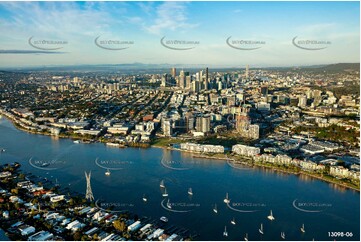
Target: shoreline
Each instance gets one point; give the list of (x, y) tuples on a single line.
[(197, 155)]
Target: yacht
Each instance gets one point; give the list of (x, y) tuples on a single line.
[(225, 233), (215, 208), (164, 219), (144, 198), (169, 205), (190, 192), (76, 142), (107, 173), (45, 164), (270, 217), (165, 194), (283, 236), (303, 228), (246, 237), (226, 200), (261, 229), (233, 221), (162, 184)]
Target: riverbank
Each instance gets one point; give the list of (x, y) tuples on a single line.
[(221, 157)]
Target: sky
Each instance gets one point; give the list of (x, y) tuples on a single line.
[(79, 31)]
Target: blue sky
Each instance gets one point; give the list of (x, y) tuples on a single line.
[(209, 23)]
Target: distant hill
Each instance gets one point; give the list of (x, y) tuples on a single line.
[(339, 67)]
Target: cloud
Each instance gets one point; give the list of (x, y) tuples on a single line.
[(170, 16)]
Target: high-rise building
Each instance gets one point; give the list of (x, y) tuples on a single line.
[(173, 72), (247, 71), (189, 121), (244, 126), (167, 126), (264, 90), (203, 124), (206, 80), (302, 101)]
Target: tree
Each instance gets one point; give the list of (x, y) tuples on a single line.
[(119, 225), (77, 236)]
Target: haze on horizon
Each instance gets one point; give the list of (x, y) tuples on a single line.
[(209, 23)]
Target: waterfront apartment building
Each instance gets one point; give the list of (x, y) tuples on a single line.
[(245, 150)]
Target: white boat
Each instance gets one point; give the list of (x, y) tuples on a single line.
[(283, 236), (162, 184), (144, 198), (225, 233), (190, 192), (169, 205), (303, 228), (270, 217), (107, 173), (76, 142), (261, 229), (233, 221), (165, 194), (215, 208), (164, 219), (226, 200), (246, 237)]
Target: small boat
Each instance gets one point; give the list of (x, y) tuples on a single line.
[(144, 198), (246, 237), (225, 233), (215, 208), (162, 184), (165, 194), (261, 229), (57, 183), (283, 236), (233, 221), (169, 205), (164, 219), (45, 164), (76, 141), (270, 217), (2, 150), (303, 228), (107, 173), (226, 200), (190, 192)]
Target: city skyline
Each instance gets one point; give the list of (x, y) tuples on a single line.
[(144, 25)]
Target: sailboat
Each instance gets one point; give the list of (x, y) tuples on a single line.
[(261, 229), (169, 205), (107, 173), (57, 183), (283, 236), (190, 192), (233, 221), (144, 198), (225, 233), (246, 237), (162, 184), (226, 200), (303, 228), (270, 217), (215, 208), (165, 194)]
